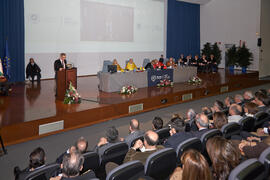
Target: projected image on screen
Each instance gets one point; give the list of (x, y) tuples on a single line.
[(96, 25)]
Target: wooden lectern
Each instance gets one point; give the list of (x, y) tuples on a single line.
[(63, 79)]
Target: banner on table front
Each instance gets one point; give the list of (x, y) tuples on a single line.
[(155, 76)]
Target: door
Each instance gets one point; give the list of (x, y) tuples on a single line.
[(264, 63)]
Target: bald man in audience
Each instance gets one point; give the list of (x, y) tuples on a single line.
[(238, 99), (134, 131), (248, 96), (146, 148), (81, 146), (235, 112), (202, 123)]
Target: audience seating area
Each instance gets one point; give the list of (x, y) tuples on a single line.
[(161, 164)]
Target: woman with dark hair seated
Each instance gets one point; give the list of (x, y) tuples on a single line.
[(224, 156), (219, 120), (36, 161), (194, 167)]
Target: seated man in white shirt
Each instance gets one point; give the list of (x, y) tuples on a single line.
[(235, 112)]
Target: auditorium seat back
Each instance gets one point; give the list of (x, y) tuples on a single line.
[(43, 173), (265, 159), (260, 118), (128, 170), (91, 161), (209, 134), (105, 65), (230, 129), (192, 143), (115, 153), (249, 169), (163, 134), (160, 164), (247, 124)]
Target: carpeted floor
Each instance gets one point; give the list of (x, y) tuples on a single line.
[(54, 145)]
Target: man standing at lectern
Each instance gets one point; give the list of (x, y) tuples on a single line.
[(59, 65)]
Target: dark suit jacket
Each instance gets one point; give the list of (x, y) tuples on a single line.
[(89, 175), (176, 139), (58, 65), (32, 70), (133, 136), (199, 133), (137, 155)]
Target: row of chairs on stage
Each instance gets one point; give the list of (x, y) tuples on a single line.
[(162, 163)]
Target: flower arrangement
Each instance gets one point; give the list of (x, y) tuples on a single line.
[(165, 83), (128, 90), (72, 96), (195, 80)]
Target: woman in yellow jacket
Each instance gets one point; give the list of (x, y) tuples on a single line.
[(131, 65), (118, 66)]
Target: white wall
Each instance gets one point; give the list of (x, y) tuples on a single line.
[(228, 21)]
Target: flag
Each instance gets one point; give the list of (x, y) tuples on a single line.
[(6, 62), (1, 68)]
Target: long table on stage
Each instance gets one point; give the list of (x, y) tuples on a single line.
[(113, 82)]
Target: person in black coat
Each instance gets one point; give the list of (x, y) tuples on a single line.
[(213, 63), (60, 64), (33, 70)]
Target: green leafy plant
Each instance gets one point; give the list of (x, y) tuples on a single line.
[(207, 50), (231, 56), (244, 57), (216, 52)]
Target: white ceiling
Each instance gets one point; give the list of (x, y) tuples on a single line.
[(202, 2)]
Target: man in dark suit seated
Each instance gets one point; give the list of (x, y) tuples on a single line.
[(71, 167), (36, 161), (33, 70), (177, 133), (262, 101), (145, 148), (81, 146), (134, 131), (202, 123), (105, 142)]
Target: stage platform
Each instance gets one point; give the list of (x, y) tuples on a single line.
[(31, 111)]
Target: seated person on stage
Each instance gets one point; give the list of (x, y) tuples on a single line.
[(170, 63), (36, 161), (213, 63), (150, 65), (195, 61), (33, 70), (161, 59), (159, 65), (188, 60), (118, 66), (203, 64), (131, 65)]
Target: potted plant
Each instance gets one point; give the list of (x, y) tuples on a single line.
[(206, 50), (231, 58), (244, 57)]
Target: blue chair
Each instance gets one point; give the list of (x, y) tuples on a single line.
[(105, 65)]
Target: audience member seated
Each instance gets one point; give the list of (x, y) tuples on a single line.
[(190, 120), (80, 145), (141, 150), (157, 123), (235, 112), (178, 134), (218, 106), (194, 167), (253, 149), (131, 65), (134, 131), (170, 63), (104, 142), (250, 109), (224, 156), (228, 101), (219, 120), (248, 96), (33, 70), (202, 123), (36, 160), (71, 167), (238, 99), (262, 101), (206, 110), (118, 66)]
